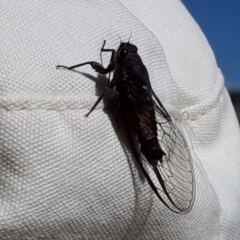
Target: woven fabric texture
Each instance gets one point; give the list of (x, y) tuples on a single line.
[(66, 177)]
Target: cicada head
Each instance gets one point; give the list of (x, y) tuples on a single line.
[(127, 55)]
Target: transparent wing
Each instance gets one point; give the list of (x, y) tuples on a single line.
[(173, 179)]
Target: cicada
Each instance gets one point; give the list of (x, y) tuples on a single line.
[(161, 152)]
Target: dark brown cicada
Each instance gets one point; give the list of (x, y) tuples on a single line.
[(161, 145)]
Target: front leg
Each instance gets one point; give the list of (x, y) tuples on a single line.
[(107, 50), (95, 65)]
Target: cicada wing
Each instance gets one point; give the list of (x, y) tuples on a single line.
[(176, 170), (173, 179)]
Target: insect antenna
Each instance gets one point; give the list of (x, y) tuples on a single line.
[(119, 38), (130, 37)]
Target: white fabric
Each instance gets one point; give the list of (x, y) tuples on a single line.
[(64, 176)]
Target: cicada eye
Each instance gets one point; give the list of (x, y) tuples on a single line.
[(123, 52), (135, 48)]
